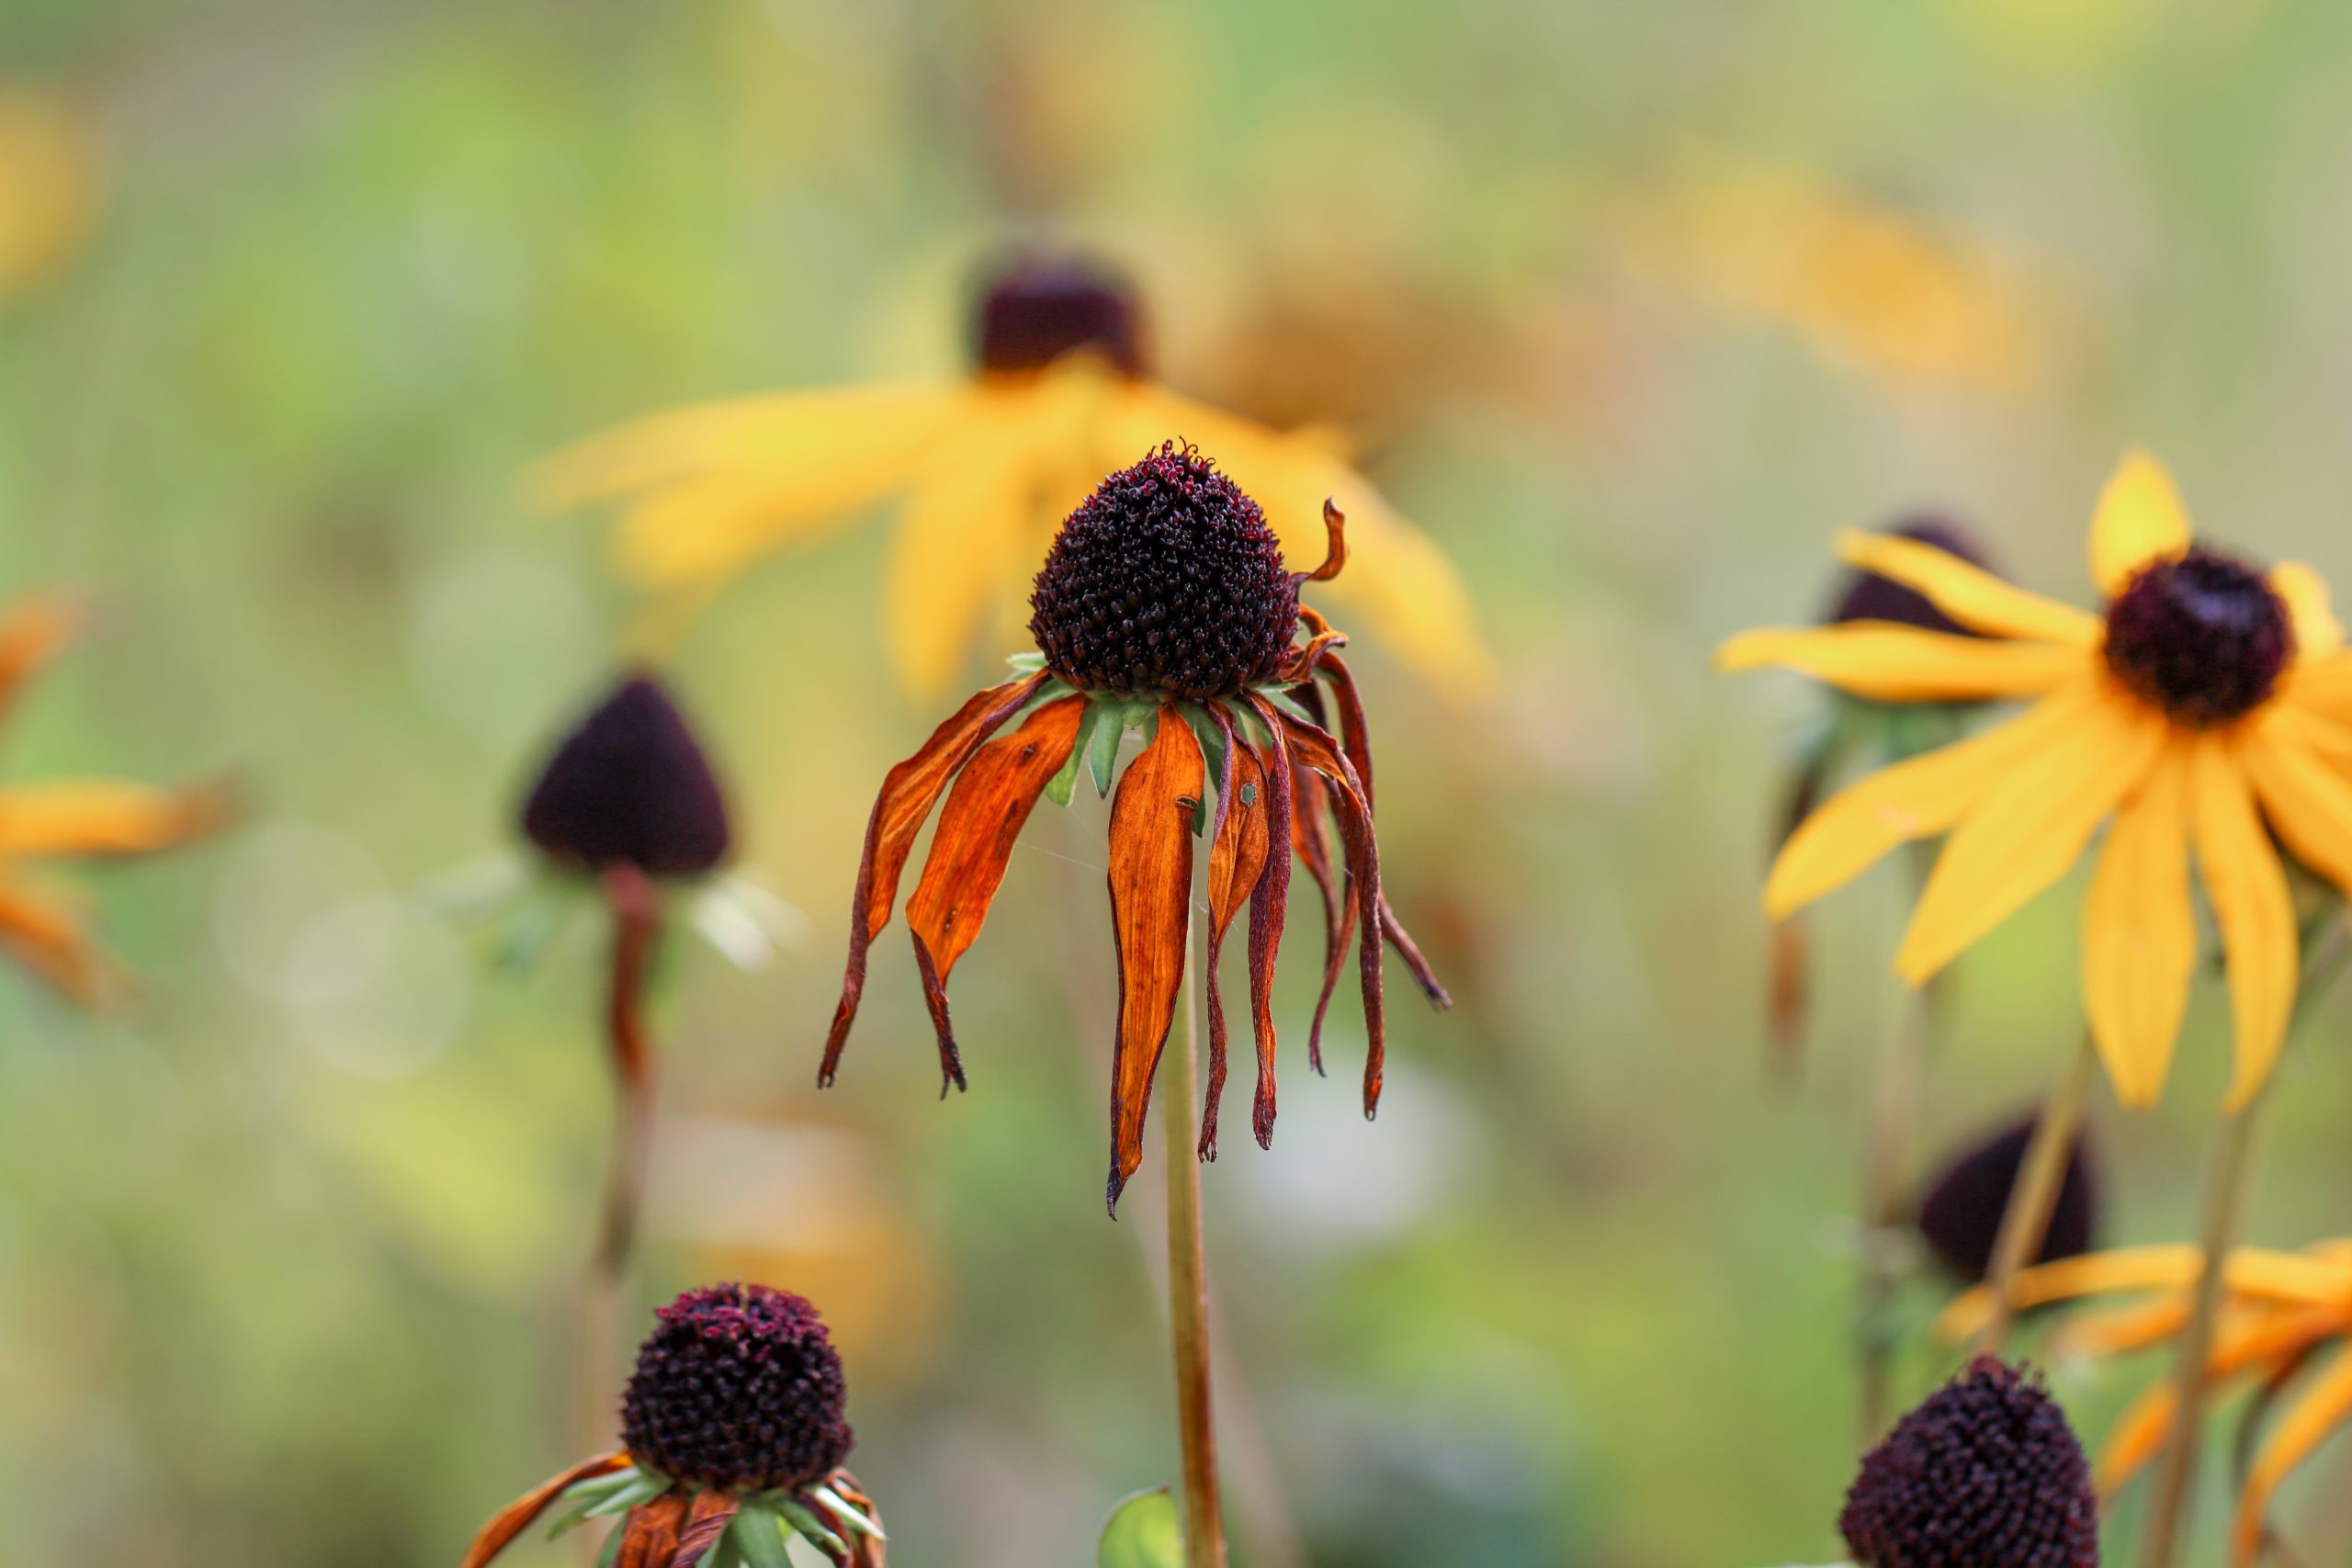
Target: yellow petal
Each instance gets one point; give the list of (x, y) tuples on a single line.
[(2308, 1421), (2290, 1279), (2140, 933), (2027, 831), (2136, 1438), (2253, 906), (2307, 801), (1915, 799), (964, 546), (2323, 684), (2140, 520), (1969, 595), (835, 440), (2318, 634), (1903, 664), (49, 939), (103, 817), (1405, 590), (2119, 1330)]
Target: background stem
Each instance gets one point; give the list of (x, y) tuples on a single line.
[(2025, 1222), (1188, 1305)]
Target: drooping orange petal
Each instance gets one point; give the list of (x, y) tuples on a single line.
[(2117, 1330), (1310, 842), (909, 792), (2320, 1409), (1268, 907), (2292, 1279), (518, 1516), (1355, 739), (1237, 859), (650, 1534), (1151, 883), (104, 816), (707, 1521), (978, 827), (1316, 749), (52, 939)]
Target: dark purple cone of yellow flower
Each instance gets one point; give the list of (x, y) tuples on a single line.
[(739, 1387), (1166, 581), (1960, 1215), (2204, 638), (1037, 309), (630, 785), (1986, 1474), (1867, 596)]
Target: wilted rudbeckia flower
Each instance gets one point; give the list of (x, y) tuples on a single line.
[(2212, 704), (1986, 1472), (1164, 605), (2280, 1310), (734, 1430), (988, 462), (1960, 1214), (72, 817), (629, 798)]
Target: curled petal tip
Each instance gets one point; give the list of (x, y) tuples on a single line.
[(1111, 1191), (1335, 552)]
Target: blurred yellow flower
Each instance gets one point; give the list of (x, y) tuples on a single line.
[(2210, 706), (1865, 286), (2278, 1309), (42, 928), (49, 188), (988, 464)]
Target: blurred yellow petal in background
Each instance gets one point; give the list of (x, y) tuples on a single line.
[(50, 186)]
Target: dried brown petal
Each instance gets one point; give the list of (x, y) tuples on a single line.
[(1237, 860), (649, 1533), (519, 1515), (1314, 749), (1151, 881), (909, 792), (713, 1511), (1267, 906)]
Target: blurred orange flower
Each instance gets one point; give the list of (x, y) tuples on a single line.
[(988, 464), (41, 927), (2279, 1308)]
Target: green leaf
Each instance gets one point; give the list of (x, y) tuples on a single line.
[(611, 1555), (848, 1512), (811, 1527), (1059, 787), (759, 1535), (1143, 1533), (745, 922), (1246, 723), (1212, 739), (1103, 746), (582, 1497), (1027, 664), (1289, 704), (644, 1488)]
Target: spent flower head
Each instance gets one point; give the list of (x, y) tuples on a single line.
[(1164, 606), (1961, 1211), (734, 1434)]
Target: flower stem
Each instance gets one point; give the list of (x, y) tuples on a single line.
[(1188, 1297), (2025, 1222), (636, 927), (2226, 1187)]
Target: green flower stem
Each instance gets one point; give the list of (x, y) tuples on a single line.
[(1188, 1305), (2025, 1222)]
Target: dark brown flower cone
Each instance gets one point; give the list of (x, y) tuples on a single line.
[(630, 785)]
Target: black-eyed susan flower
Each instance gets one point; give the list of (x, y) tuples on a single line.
[(1164, 606), (987, 462), (734, 1429), (2282, 1313), (1986, 1472), (41, 926), (2210, 707), (1960, 1212)]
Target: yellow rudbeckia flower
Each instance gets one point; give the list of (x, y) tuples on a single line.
[(2210, 707), (41, 928), (2278, 1310), (988, 464)]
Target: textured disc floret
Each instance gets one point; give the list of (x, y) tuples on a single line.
[(1986, 1472), (630, 785), (738, 1387), (1867, 596), (1037, 310), (1165, 580), (2202, 637)]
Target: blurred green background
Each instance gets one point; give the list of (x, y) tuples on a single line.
[(1633, 307)]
